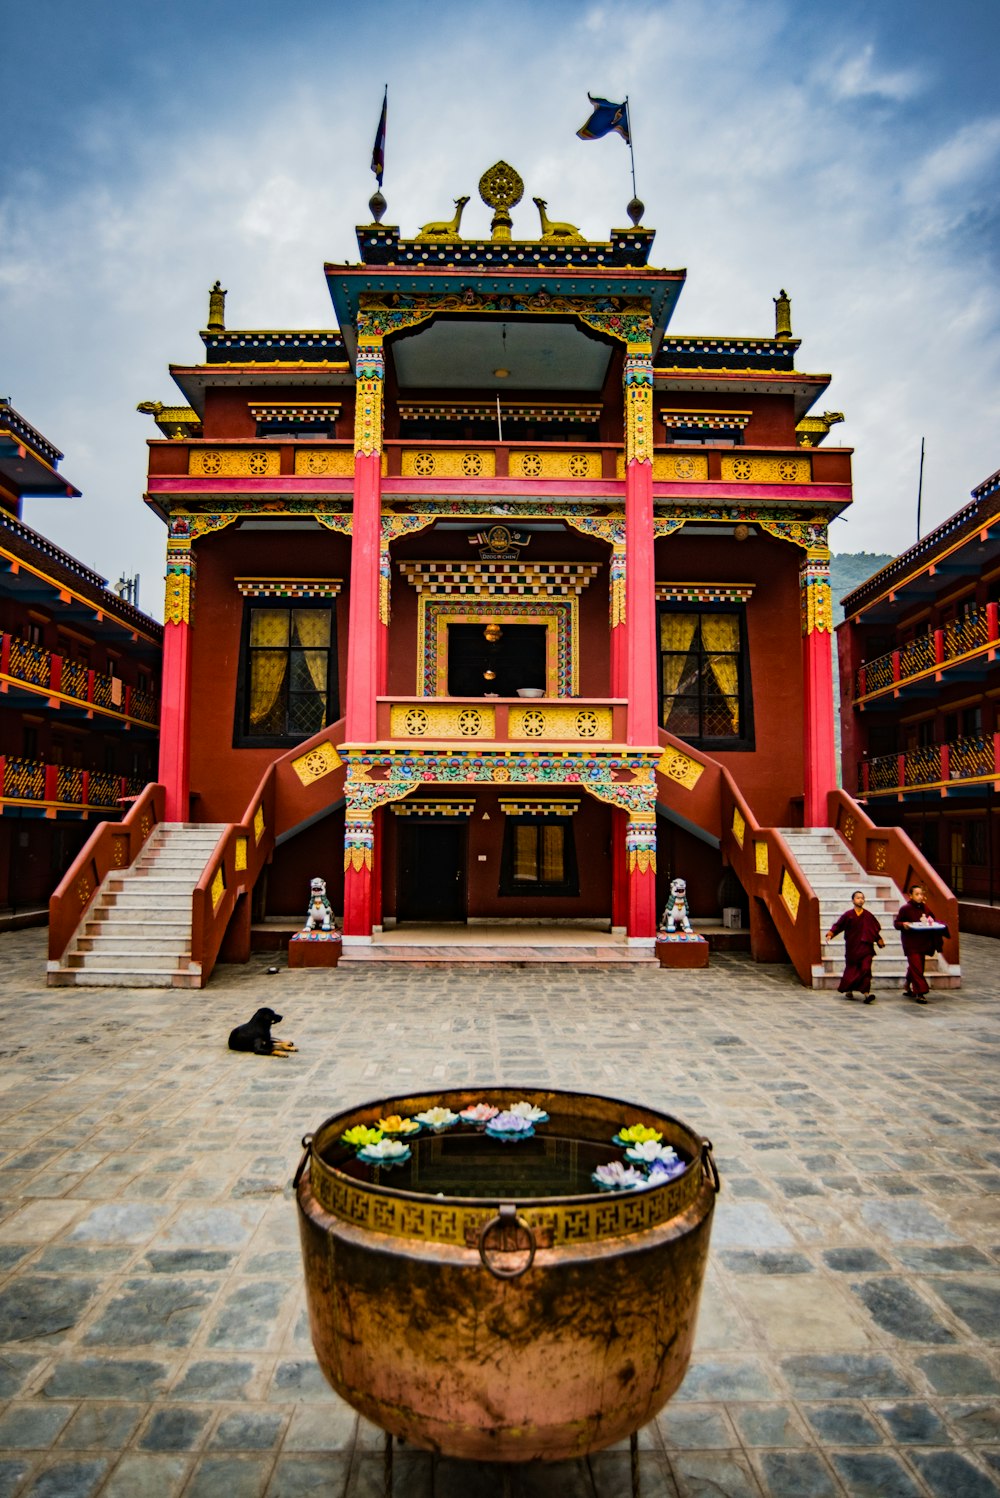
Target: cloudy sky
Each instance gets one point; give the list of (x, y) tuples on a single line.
[(849, 153)]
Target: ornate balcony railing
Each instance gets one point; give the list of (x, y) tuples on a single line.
[(57, 676), (31, 781), (974, 757), (481, 720), (976, 630)]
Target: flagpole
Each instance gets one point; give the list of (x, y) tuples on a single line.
[(499, 422), (631, 148)]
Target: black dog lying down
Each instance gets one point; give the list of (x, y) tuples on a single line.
[(256, 1036)]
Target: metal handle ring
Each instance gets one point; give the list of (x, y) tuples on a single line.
[(709, 1166), (507, 1217), (307, 1144)]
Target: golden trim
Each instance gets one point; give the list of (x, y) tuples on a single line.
[(760, 857), (417, 721), (177, 598), (528, 463), (448, 463), (790, 894), (218, 887), (258, 823), (240, 855), (336, 462), (680, 768), (742, 470), (554, 723), (739, 825), (214, 462)]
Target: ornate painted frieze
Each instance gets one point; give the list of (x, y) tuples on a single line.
[(766, 470), (815, 597), (336, 462), (376, 777), (290, 587), (499, 579), (530, 463), (703, 592), (370, 370), (294, 412), (448, 462), (178, 604), (392, 527), (760, 857), (790, 894), (739, 825), (359, 838), (447, 721), (639, 408), (807, 531), (554, 723), (558, 615), (210, 462), (680, 768), (317, 762), (450, 808), (187, 525), (539, 806)]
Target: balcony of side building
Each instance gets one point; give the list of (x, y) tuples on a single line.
[(34, 787), (30, 674), (962, 649)]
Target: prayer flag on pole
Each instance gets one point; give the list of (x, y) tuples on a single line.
[(378, 150), (605, 119)]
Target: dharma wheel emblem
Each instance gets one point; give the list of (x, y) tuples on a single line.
[(501, 189)]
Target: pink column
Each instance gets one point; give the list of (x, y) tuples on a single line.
[(819, 754), (640, 845), (619, 870), (640, 605), (367, 637), (175, 693), (359, 838)]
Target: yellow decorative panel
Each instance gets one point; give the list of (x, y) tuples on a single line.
[(218, 887), (322, 760), (760, 857), (739, 825), (680, 466), (177, 598), (559, 723), (790, 894), (226, 463), (240, 857), (680, 767), (549, 465), (448, 463), (258, 824), (451, 722), (338, 462), (766, 470)]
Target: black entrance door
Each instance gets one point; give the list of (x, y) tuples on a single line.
[(431, 885), (517, 659)]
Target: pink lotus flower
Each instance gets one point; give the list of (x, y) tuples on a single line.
[(478, 1113)]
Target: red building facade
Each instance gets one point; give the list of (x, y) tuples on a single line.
[(499, 601)]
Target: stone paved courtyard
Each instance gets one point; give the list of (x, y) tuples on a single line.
[(151, 1306)]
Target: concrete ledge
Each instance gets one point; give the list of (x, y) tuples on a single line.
[(978, 920)]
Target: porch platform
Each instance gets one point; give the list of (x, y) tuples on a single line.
[(499, 941)]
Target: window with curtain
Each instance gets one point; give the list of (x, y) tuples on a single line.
[(704, 676), (539, 857), (288, 676)]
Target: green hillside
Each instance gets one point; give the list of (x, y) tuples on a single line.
[(848, 570)]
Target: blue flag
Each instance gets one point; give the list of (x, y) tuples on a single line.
[(607, 117), (378, 150)]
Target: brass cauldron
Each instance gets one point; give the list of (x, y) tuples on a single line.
[(504, 1325)]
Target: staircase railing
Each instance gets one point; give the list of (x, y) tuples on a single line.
[(290, 790), (889, 852), (111, 846), (759, 856)]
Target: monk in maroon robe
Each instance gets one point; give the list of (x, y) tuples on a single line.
[(862, 934), (912, 922)]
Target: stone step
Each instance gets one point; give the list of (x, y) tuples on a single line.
[(138, 899), (122, 944), (130, 960), (120, 978), (178, 932)]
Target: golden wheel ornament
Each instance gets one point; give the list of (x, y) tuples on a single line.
[(533, 725), (788, 472), (257, 463), (470, 721), (211, 463), (742, 468), (416, 721), (424, 465), (586, 725), (472, 465)]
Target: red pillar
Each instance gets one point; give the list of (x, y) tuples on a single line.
[(640, 841), (175, 747), (817, 690), (359, 839), (367, 637), (619, 870), (640, 605)]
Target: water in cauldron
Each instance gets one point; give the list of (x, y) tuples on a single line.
[(467, 1162)]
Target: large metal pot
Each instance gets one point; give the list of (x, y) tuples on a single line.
[(495, 1329)]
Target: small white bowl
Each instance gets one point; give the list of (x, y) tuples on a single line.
[(531, 691)]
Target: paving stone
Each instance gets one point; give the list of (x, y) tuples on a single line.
[(101, 1378), (974, 1301), (914, 1424), (854, 1260), (897, 1308), (145, 1475), (958, 1373), (703, 1474), (229, 1477), (152, 1310), (694, 1428), (248, 1430), (35, 1306), (11, 1475), (842, 1424), (127, 1222), (68, 1479), (796, 1474), (874, 1474), (175, 1430), (104, 1426), (747, 1261), (974, 1422), (948, 1474), (32, 1426), (306, 1477), (768, 1425), (843, 1376), (14, 1370), (213, 1380)]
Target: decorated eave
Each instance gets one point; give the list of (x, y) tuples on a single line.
[(37, 572), (505, 292), (273, 346), (968, 543), (626, 248), (194, 379), (28, 462), (737, 366)]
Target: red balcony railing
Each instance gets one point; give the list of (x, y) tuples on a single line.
[(56, 675), (30, 781), (975, 757), (978, 630)]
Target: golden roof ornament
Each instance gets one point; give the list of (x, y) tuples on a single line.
[(501, 189), (555, 232), (445, 228), (782, 314), (217, 309)]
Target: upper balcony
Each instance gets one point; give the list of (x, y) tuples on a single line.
[(70, 684), (507, 720), (961, 648), (959, 766), (48, 789), (300, 465)]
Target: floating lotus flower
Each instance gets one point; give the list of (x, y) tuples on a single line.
[(437, 1118), (618, 1177), (387, 1152), (478, 1113), (648, 1151), (396, 1125), (665, 1170), (361, 1135), (510, 1126), (530, 1112), (636, 1134)]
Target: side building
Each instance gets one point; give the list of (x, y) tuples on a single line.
[(920, 700), (79, 684)]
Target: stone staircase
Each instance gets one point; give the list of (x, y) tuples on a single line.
[(137, 932), (834, 874)]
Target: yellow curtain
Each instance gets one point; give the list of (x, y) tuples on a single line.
[(268, 661), (526, 851), (553, 871), (721, 633), (311, 630), (676, 634)]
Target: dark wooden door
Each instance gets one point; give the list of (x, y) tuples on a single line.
[(431, 884)]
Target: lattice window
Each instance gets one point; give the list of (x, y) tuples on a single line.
[(288, 673), (704, 676), (539, 857)]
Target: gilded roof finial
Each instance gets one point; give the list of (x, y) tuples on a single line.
[(445, 228), (782, 314), (500, 189), (553, 229), (217, 309)]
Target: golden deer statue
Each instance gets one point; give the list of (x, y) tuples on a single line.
[(551, 229), (447, 230)]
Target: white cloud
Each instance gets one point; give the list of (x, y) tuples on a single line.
[(856, 77)]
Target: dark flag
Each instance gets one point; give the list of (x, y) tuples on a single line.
[(378, 150), (607, 117)]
